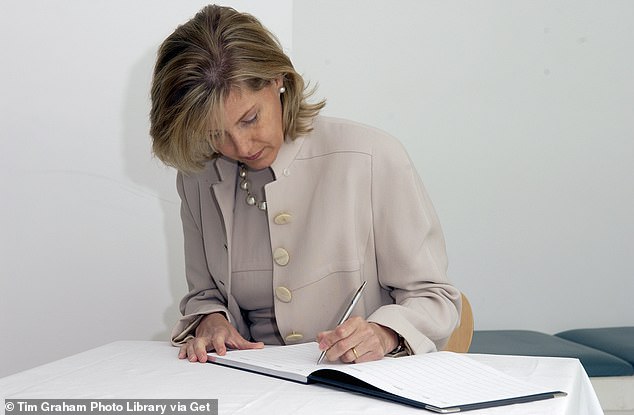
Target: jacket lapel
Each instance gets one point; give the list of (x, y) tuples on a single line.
[(220, 186)]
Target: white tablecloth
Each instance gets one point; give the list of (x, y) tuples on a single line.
[(151, 370)]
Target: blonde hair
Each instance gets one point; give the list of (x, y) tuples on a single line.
[(196, 68)]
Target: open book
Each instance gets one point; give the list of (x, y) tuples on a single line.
[(442, 382)]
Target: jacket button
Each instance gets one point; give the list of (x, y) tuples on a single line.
[(281, 256), (283, 218), (283, 294), (294, 337)]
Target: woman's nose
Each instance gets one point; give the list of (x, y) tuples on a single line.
[(242, 143)]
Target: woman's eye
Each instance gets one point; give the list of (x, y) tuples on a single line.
[(250, 120)]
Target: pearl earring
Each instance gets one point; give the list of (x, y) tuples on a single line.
[(282, 90)]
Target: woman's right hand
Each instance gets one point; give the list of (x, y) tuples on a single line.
[(214, 332)]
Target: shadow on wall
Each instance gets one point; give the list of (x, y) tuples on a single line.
[(147, 171)]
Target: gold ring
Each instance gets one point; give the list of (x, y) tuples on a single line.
[(356, 356)]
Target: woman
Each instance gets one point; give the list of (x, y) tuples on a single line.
[(285, 213)]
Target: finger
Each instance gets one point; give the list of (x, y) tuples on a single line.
[(192, 349), (364, 341), (323, 340), (370, 346), (236, 341), (218, 343), (252, 345), (341, 339), (342, 349), (364, 354), (182, 352), (351, 355), (200, 349), (359, 355), (346, 329), (191, 355), (328, 339)]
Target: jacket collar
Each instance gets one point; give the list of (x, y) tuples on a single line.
[(287, 154), (221, 182), (222, 177), (224, 169), (218, 170)]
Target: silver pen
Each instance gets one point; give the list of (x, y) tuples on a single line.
[(346, 314)]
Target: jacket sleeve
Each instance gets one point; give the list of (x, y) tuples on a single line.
[(411, 255), (203, 297)]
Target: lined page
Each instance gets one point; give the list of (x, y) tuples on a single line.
[(299, 359), (441, 379)]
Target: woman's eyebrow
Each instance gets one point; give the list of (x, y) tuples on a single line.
[(245, 114)]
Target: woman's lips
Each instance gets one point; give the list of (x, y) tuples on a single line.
[(255, 156)]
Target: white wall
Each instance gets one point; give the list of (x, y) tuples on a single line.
[(518, 115), (90, 237), (520, 118)]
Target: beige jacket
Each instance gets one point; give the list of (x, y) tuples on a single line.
[(347, 205)]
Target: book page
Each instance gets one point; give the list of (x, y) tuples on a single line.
[(441, 379), (281, 361)]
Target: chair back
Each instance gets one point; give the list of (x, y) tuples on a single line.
[(460, 339)]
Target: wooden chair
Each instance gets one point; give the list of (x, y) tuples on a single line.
[(460, 339)]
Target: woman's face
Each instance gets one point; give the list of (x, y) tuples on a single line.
[(254, 129)]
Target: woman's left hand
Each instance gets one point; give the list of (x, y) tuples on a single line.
[(357, 340)]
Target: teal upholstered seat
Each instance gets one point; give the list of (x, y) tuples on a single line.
[(618, 341), (533, 343)]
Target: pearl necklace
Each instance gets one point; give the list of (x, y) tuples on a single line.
[(245, 185)]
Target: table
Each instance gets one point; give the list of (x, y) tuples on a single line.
[(151, 370)]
